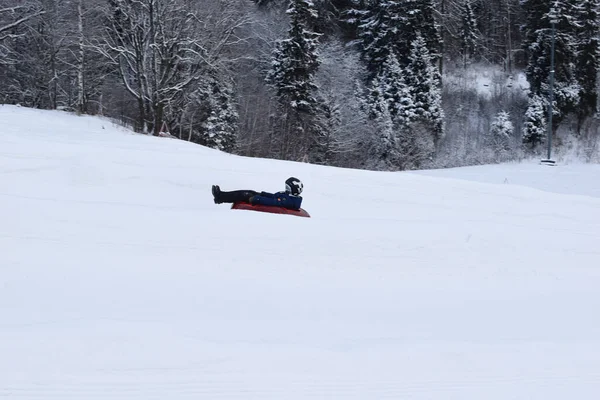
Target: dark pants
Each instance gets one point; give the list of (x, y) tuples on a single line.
[(236, 195)]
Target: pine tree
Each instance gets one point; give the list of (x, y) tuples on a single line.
[(534, 129), (209, 116), (295, 62), (220, 126), (355, 13), (534, 10), (421, 22), (295, 59), (265, 3), (416, 146), (397, 94), (468, 34), (500, 135), (384, 149), (376, 101), (588, 60), (538, 42), (391, 26), (381, 32), (424, 82), (326, 141)]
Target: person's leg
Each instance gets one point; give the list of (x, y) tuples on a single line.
[(236, 195), (233, 196)]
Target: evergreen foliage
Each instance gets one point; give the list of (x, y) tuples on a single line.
[(588, 57), (501, 133), (424, 82), (295, 61), (534, 132), (468, 33), (355, 83)]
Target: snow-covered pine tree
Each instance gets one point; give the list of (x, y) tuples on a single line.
[(534, 11), (416, 146), (384, 152), (395, 91), (343, 122), (538, 47), (265, 3), (381, 31), (423, 80), (209, 116), (534, 129), (468, 33), (353, 15), (326, 138), (390, 26), (329, 18), (376, 98), (501, 132), (220, 126), (295, 61), (421, 22), (588, 57), (391, 107)]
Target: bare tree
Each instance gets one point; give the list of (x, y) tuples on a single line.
[(163, 48), (33, 42), (14, 14)]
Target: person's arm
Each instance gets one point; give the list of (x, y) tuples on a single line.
[(269, 200), (279, 200), (295, 202), (267, 194), (290, 202)]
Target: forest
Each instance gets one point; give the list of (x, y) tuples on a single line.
[(371, 84)]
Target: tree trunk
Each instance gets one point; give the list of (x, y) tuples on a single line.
[(158, 118), (509, 61), (443, 34), (80, 62), (157, 106)]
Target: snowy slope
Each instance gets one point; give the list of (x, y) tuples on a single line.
[(570, 178), (120, 279)]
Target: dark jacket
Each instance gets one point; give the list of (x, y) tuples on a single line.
[(279, 199)]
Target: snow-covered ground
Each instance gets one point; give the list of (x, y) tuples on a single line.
[(573, 178), (121, 279)]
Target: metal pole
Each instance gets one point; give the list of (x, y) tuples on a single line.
[(551, 90)]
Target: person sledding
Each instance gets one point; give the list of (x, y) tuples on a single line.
[(289, 199)]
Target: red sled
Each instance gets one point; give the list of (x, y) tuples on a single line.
[(269, 209)]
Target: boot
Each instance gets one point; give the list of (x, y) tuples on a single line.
[(216, 192)]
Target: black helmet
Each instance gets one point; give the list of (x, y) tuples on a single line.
[(293, 186)]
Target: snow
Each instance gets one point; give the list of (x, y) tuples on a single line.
[(121, 279), (574, 178)]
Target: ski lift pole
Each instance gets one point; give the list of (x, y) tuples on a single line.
[(553, 21)]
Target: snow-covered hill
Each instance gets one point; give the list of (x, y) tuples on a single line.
[(121, 279)]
